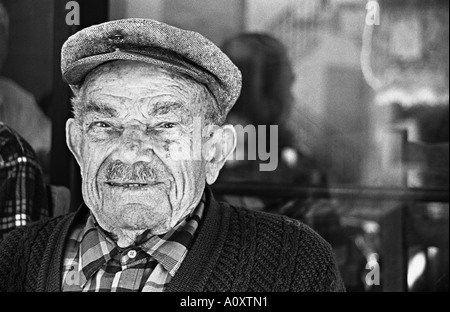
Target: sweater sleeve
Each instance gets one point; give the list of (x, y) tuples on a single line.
[(332, 280), (21, 255), (316, 269), (8, 250)]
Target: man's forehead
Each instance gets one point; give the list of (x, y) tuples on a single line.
[(125, 85), (152, 103), (147, 109), (135, 81)]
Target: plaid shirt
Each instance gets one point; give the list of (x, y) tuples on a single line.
[(94, 263), (23, 194)]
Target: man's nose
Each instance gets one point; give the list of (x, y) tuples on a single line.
[(133, 137), (135, 145)]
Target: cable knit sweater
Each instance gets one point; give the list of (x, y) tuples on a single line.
[(236, 250)]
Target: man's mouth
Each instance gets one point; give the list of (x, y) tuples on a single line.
[(131, 185)]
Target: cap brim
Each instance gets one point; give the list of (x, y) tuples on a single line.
[(77, 71)]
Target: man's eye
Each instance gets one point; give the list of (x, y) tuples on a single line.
[(100, 124), (167, 125)]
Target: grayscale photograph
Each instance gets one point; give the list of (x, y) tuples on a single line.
[(224, 150)]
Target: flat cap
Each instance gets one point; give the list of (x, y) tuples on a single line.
[(153, 42)]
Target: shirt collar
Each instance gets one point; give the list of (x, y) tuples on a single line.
[(169, 250), (96, 249)]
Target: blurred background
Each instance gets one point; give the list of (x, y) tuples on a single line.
[(359, 90)]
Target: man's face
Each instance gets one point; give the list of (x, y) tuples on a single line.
[(133, 115)]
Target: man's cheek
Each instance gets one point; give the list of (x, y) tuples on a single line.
[(180, 150), (103, 136), (190, 170), (94, 158)]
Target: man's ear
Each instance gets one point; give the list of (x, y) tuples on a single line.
[(73, 140), (220, 147)]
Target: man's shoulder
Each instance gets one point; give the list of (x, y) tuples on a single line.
[(25, 250), (281, 226), (286, 250)]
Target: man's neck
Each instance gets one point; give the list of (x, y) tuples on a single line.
[(122, 237), (126, 238)]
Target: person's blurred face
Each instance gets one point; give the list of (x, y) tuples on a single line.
[(134, 115)]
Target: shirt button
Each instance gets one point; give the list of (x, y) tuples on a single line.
[(132, 254)]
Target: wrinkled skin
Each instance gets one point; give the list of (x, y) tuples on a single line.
[(135, 114)]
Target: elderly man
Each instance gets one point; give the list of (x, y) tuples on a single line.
[(150, 222)]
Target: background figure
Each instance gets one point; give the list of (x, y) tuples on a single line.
[(266, 99), (18, 108), (23, 193), (267, 79)]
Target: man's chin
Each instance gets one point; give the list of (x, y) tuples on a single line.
[(135, 207), (138, 217)]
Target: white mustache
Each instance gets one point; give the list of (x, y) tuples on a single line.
[(140, 172)]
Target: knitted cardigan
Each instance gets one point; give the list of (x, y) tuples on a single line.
[(235, 250)]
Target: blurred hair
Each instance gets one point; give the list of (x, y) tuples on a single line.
[(267, 77), (4, 30), (4, 18)]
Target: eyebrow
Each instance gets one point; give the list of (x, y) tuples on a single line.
[(165, 108), (100, 108)]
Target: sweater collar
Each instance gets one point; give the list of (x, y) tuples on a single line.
[(204, 253)]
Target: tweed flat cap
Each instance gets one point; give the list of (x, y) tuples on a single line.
[(156, 43)]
